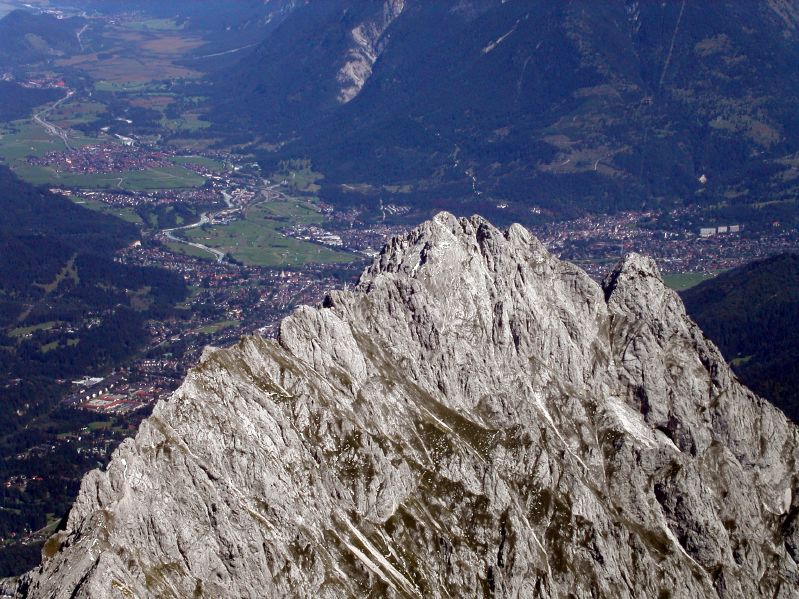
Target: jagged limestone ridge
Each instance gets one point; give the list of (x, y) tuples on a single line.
[(477, 417)]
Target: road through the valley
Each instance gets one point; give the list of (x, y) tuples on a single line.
[(52, 129)]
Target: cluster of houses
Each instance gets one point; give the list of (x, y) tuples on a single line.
[(720, 230)]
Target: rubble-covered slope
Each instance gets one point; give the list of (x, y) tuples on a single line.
[(476, 418)]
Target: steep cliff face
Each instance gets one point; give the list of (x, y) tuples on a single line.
[(317, 57), (476, 418), (365, 49)]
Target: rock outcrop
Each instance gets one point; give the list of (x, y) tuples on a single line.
[(365, 49), (476, 418)]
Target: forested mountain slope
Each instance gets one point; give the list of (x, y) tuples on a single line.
[(752, 313), (565, 106), (66, 307)]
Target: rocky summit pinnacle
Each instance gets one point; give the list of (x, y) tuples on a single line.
[(476, 418)]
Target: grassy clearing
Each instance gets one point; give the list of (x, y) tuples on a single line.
[(162, 178), (208, 163), (154, 100), (740, 361), (99, 425), (48, 347), (185, 144), (256, 239), (188, 121), (22, 332), (130, 87), (68, 272), (21, 139), (76, 113), (126, 214), (141, 300), (132, 69), (686, 280), (298, 175), (194, 291), (155, 25), (188, 250), (218, 326)]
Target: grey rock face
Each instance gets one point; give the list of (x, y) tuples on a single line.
[(477, 418), (365, 49)]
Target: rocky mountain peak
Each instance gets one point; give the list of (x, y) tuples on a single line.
[(476, 417)]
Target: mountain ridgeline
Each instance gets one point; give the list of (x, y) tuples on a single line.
[(565, 106), (476, 418)]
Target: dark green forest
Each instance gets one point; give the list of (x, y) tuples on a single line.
[(66, 307), (26, 37), (18, 102), (752, 314)]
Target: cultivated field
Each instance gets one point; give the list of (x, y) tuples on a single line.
[(257, 240)]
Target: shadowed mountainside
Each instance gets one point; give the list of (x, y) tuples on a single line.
[(563, 105), (752, 313)]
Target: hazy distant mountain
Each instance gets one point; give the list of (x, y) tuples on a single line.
[(308, 67), (560, 104), (233, 28), (26, 37), (752, 313)]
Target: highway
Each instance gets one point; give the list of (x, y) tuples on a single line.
[(207, 217), (52, 129), (204, 219)]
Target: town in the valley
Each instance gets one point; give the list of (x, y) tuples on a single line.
[(232, 297)]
